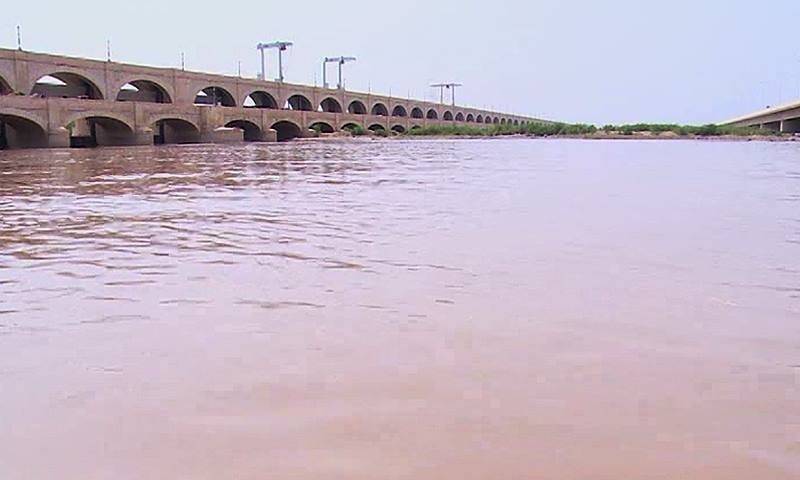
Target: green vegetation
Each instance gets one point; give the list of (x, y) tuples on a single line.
[(355, 130), (582, 130)]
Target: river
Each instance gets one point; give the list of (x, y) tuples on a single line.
[(401, 309)]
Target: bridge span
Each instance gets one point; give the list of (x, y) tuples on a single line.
[(783, 118), (57, 101)]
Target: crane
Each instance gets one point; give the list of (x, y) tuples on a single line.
[(448, 86), (341, 61)]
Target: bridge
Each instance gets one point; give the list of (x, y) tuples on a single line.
[(57, 101), (784, 118)]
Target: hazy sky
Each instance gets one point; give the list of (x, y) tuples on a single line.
[(600, 62)]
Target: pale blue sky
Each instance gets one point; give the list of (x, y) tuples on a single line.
[(572, 60)]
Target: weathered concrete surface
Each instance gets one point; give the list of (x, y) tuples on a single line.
[(109, 103)]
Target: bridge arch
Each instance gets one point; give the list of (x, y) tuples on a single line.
[(260, 99), (357, 107), (94, 129), (399, 111), (496, 120), (143, 90), (459, 117), (448, 116), (21, 130), (379, 109), (432, 114), (251, 132), (416, 112), (502, 121), (399, 129), (351, 126), (298, 102), (286, 130), (66, 85), (376, 127), (322, 127), (470, 118), (214, 96), (479, 118), (174, 129), (330, 105)]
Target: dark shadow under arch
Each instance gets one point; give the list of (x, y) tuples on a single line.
[(298, 102), (286, 130), (399, 129), (357, 107), (416, 112), (96, 131), (175, 131), (432, 115), (66, 85), (380, 110), (143, 91), (322, 127), (250, 131), (330, 105), (399, 111), (214, 96), (19, 132), (5, 87), (260, 99)]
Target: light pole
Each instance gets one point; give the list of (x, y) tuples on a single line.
[(341, 61), (449, 86), (280, 46)]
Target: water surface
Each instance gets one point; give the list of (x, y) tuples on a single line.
[(472, 309)]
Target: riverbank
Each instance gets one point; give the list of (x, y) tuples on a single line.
[(616, 132)]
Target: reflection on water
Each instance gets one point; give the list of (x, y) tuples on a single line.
[(401, 309)]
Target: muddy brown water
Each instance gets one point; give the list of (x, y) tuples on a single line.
[(444, 309)]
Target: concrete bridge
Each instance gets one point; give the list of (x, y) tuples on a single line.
[(784, 118), (55, 101)]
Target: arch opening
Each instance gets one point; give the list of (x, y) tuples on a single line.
[(175, 131), (488, 120), (432, 115), (96, 131), (260, 99), (496, 120), (214, 96), (330, 105), (66, 85), (376, 127), (19, 132), (399, 129), (416, 112), (470, 118), (143, 91), (5, 88), (399, 111), (298, 102), (380, 110), (448, 116), (503, 121), (286, 130), (459, 117), (357, 107), (322, 127), (479, 119), (250, 131)]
